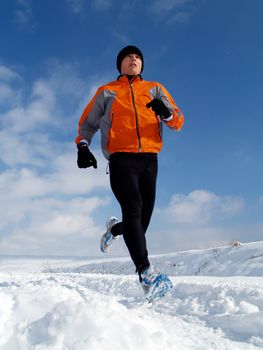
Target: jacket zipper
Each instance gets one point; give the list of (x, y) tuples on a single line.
[(136, 119), (160, 129)]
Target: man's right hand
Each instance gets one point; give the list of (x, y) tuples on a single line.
[(85, 158)]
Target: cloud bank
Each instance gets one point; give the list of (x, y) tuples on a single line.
[(201, 206), (47, 202)]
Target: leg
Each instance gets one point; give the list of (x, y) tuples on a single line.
[(124, 179), (117, 229), (148, 189)]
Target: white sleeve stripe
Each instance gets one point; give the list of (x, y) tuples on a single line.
[(168, 119)]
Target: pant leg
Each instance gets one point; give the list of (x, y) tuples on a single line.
[(125, 172), (148, 188)]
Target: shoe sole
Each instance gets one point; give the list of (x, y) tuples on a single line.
[(108, 227)]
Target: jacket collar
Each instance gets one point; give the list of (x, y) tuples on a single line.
[(124, 78)]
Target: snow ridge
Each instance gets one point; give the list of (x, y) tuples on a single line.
[(243, 260)]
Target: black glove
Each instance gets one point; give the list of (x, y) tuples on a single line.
[(85, 158), (159, 108)]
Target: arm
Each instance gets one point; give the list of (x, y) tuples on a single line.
[(88, 125), (90, 118), (176, 119)]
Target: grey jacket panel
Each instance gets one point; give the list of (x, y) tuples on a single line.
[(91, 124), (106, 120), (162, 96), (155, 93), (98, 117)]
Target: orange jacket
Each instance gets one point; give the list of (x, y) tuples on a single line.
[(119, 110)]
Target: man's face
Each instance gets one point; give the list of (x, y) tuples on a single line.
[(131, 64)]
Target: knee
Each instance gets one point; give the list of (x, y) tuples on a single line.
[(132, 210)]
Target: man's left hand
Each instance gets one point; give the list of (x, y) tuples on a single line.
[(159, 108)]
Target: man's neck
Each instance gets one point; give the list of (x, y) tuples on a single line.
[(130, 76)]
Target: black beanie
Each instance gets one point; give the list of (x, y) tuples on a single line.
[(127, 51)]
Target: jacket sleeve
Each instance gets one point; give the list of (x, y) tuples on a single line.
[(90, 119), (177, 119)]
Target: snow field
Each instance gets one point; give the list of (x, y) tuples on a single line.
[(81, 303), (75, 311)]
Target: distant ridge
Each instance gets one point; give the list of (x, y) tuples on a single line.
[(237, 259)]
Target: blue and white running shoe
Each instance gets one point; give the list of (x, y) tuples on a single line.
[(155, 285), (107, 239)]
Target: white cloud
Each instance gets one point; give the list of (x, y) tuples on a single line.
[(40, 210), (181, 17), (53, 105), (32, 115), (171, 11), (7, 74), (200, 206), (121, 36), (9, 92), (168, 5), (21, 188), (101, 5), (23, 13), (53, 226), (48, 204), (6, 93), (77, 6), (20, 149)]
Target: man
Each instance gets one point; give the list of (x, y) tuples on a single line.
[(130, 113)]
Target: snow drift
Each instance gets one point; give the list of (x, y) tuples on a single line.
[(70, 304)]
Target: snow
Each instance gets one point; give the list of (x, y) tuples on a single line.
[(68, 304)]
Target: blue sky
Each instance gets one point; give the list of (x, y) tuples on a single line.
[(54, 55)]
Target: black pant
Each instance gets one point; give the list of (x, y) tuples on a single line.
[(133, 182)]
